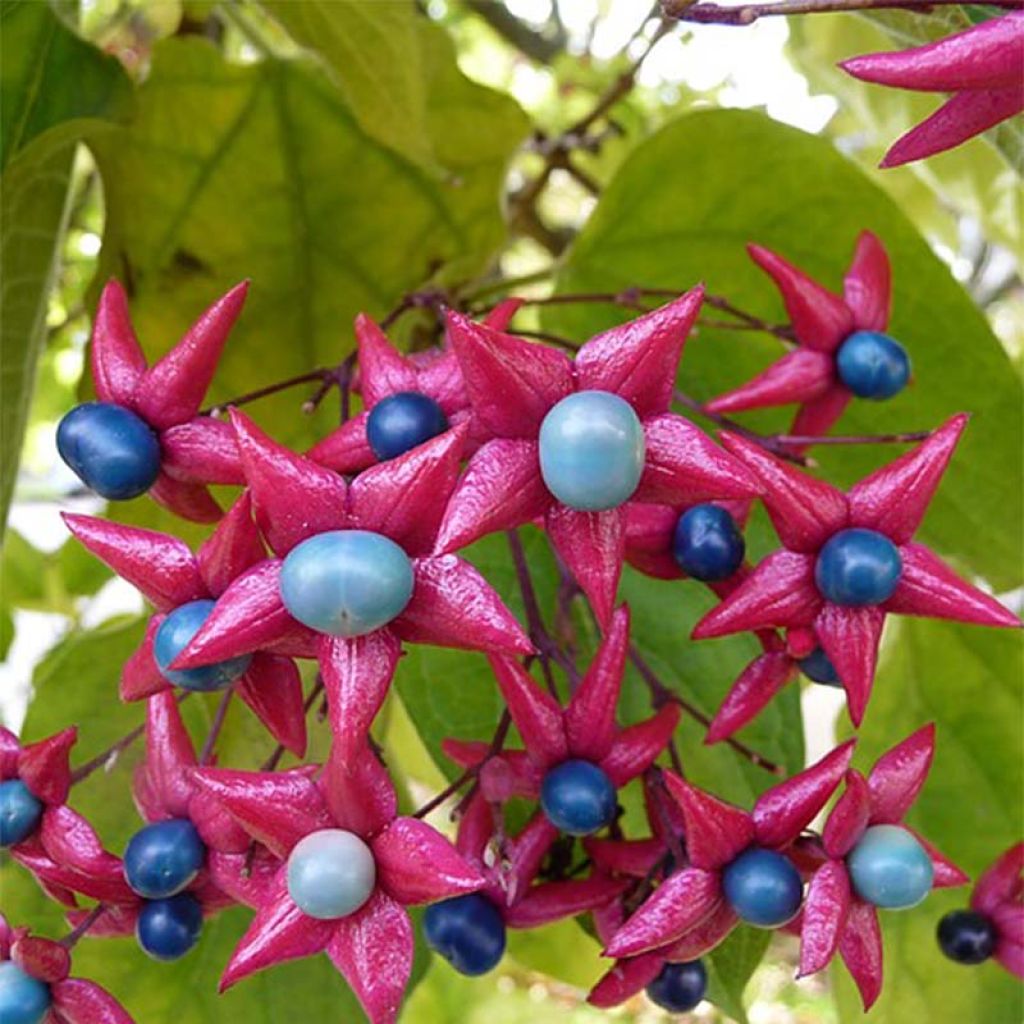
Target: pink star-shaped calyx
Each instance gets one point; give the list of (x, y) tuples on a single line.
[(372, 946), (383, 372), (585, 729), (999, 895), (403, 500), (983, 67), (782, 591), (691, 903), (169, 575), (822, 321), (834, 918), (72, 1000), (195, 450), (513, 384)]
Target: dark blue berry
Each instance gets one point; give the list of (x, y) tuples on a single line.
[(168, 929), (23, 999), (707, 544), (872, 365), (161, 859), (679, 987), (20, 812), (175, 634), (109, 449), (578, 798), (967, 936), (763, 887), (400, 422), (858, 567), (467, 931), (817, 667)]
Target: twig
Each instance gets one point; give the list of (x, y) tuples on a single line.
[(274, 760), (909, 437), (70, 940), (747, 14), (320, 374), (215, 727)]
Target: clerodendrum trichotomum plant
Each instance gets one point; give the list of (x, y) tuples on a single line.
[(491, 565)]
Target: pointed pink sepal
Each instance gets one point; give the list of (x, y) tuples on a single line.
[(43, 766), (825, 912), (849, 818), (232, 549), (535, 712), (116, 359), (79, 1001), (750, 694), (1001, 882), (203, 450), (867, 287), (716, 832), (851, 637), (860, 946), (899, 776), (799, 376), (637, 747), (272, 688)]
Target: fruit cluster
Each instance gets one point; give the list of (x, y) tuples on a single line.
[(348, 553)]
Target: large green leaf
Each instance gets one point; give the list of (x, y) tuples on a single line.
[(680, 211), (54, 90), (263, 171), (967, 680)]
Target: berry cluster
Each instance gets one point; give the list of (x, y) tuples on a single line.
[(346, 554)]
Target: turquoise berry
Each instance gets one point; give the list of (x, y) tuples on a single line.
[(578, 798), (679, 987), (873, 365), (763, 887), (168, 929), (707, 544), (468, 931), (818, 668), (346, 582), (858, 567), (400, 422), (20, 812), (109, 449), (23, 999), (890, 868), (163, 858), (592, 451), (175, 634), (331, 874)]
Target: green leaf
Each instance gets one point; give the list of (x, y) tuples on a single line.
[(54, 89), (967, 680), (263, 171), (680, 211), (375, 55), (731, 966), (21, 567)]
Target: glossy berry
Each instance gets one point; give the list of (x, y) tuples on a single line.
[(467, 931), (858, 567), (763, 887), (346, 582), (872, 365), (707, 544), (817, 667), (890, 868), (679, 987), (967, 936), (23, 999), (168, 929), (20, 812), (331, 873), (592, 450), (578, 798), (109, 449), (163, 858), (174, 635), (400, 422)]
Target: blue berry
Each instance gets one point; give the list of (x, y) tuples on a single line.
[(175, 634), (109, 449), (163, 858), (467, 931), (331, 874), (679, 987), (578, 798), (400, 422), (23, 999), (346, 582), (763, 887), (168, 929), (707, 544), (20, 812), (872, 365), (858, 567), (967, 936), (592, 450), (817, 667), (890, 868)]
